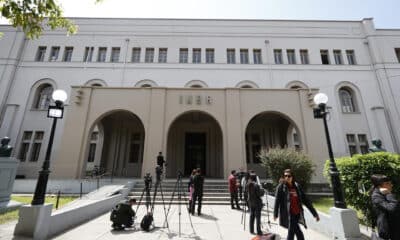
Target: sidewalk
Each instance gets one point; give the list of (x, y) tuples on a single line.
[(216, 222)]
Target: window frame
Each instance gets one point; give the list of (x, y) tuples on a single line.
[(67, 57), (291, 56), (337, 55), (102, 54), (115, 53), (325, 56), (54, 53), (183, 55), (210, 55), (136, 53), (351, 57), (149, 55), (348, 103), (162, 55), (304, 56), (257, 56), (40, 53), (278, 56), (231, 56), (244, 56), (196, 55)]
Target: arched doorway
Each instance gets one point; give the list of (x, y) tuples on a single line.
[(195, 140), (116, 144), (266, 130)]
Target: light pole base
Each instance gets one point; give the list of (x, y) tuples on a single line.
[(345, 225), (34, 221)]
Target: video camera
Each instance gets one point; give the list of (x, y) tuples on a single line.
[(148, 180), (268, 185)]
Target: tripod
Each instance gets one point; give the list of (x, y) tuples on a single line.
[(146, 189), (244, 205), (179, 189), (156, 186), (267, 206)]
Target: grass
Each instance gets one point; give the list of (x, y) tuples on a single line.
[(325, 203), (13, 215)]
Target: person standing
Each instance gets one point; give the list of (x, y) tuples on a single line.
[(254, 194), (289, 200), (386, 207), (191, 188), (198, 182), (240, 175), (233, 189), (160, 160)]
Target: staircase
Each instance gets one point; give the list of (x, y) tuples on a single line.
[(215, 192)]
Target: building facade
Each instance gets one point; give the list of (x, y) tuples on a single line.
[(206, 93)]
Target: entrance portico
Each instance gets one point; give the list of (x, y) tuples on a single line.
[(193, 127)]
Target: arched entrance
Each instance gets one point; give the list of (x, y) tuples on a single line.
[(195, 140), (266, 130), (116, 145)]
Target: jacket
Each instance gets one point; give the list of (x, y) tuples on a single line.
[(198, 182), (254, 193), (282, 204), (386, 208), (232, 183), (122, 213)]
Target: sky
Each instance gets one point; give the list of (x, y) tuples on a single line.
[(384, 12)]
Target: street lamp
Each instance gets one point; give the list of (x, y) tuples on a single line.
[(320, 112), (59, 96)]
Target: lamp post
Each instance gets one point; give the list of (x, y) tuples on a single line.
[(59, 96), (320, 112)]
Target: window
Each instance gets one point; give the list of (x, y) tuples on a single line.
[(115, 54), (351, 141), (136, 55), (324, 56), (149, 55), (145, 85), (244, 56), (255, 147), (68, 54), (40, 54), (210, 55), (337, 54), (291, 56), (92, 147), (357, 143), (135, 148), (363, 143), (230, 56), (183, 55), (43, 97), (26, 140), (296, 141), (304, 56), (36, 145), (162, 55), (347, 100), (87, 57), (397, 51), (196, 55), (278, 56), (257, 56), (101, 56), (54, 54), (351, 58)]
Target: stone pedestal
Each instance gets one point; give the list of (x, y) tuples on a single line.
[(8, 170), (345, 225), (34, 221)]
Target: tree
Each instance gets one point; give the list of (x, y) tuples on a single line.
[(34, 15)]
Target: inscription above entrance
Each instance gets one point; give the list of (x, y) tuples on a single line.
[(195, 100)]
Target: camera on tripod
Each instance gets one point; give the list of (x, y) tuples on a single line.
[(148, 180), (159, 171), (268, 185), (180, 174)]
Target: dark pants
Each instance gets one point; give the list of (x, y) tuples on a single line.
[(240, 192), (255, 213), (294, 228), (196, 197), (234, 197)]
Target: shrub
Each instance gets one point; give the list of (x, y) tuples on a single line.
[(355, 174), (276, 160)]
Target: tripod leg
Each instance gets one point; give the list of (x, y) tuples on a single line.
[(163, 202), (170, 202), (181, 189), (140, 200)]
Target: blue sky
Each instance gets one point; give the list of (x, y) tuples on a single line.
[(384, 12)]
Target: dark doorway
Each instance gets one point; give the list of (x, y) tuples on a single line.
[(195, 152)]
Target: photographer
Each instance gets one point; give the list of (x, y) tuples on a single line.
[(239, 176), (255, 203), (122, 215), (233, 189)]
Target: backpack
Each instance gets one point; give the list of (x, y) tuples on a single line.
[(146, 222)]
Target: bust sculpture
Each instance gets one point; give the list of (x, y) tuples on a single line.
[(377, 146)]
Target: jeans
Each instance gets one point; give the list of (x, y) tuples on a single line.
[(255, 214), (234, 197), (294, 228), (196, 197)]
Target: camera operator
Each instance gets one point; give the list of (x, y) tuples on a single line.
[(160, 160), (239, 176), (122, 215), (255, 192)]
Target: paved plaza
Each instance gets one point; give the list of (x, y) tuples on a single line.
[(216, 222)]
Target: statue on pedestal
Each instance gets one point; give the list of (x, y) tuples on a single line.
[(5, 149), (377, 146)]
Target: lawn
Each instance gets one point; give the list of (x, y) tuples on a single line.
[(13, 215), (325, 203)]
